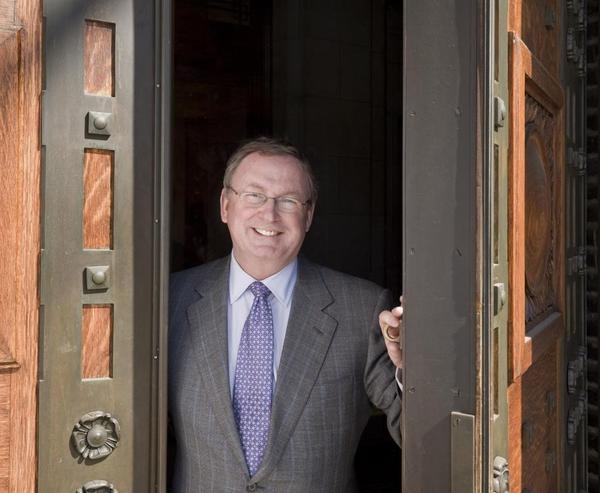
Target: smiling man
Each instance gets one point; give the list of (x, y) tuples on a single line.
[(274, 360)]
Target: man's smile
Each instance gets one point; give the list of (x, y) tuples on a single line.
[(266, 232)]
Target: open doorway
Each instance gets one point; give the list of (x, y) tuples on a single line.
[(327, 76)]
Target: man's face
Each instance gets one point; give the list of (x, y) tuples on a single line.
[(265, 239)]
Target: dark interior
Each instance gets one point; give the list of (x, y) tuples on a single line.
[(326, 77)]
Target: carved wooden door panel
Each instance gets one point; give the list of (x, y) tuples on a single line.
[(537, 321), (101, 409)]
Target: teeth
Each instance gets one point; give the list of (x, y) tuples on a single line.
[(265, 232)]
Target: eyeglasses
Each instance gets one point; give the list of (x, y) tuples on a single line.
[(283, 203)]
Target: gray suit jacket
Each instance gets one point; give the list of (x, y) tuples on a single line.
[(333, 364)]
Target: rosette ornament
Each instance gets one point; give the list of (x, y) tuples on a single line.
[(96, 435)]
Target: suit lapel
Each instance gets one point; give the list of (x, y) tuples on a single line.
[(207, 319), (307, 342)]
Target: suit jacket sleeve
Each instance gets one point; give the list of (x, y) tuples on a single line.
[(379, 378)]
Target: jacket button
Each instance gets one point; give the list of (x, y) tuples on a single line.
[(251, 487)]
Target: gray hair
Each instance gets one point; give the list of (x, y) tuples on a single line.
[(270, 146)]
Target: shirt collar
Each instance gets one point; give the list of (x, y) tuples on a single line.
[(281, 284)]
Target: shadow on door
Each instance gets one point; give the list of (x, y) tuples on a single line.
[(328, 78)]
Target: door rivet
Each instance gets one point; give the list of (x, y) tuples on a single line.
[(100, 122), (99, 277), (98, 125), (97, 436)]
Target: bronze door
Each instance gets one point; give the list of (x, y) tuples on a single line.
[(101, 367)]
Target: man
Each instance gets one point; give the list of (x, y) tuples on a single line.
[(274, 360)]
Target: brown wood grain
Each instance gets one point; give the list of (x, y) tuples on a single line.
[(516, 207), (10, 84), (22, 461), (527, 76), (96, 341), (536, 100), (540, 452), (97, 198), (5, 429), (542, 41), (514, 16), (7, 13), (542, 338), (99, 63), (515, 399)]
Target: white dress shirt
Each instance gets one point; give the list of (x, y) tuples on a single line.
[(241, 298)]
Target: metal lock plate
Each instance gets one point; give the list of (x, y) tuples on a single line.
[(97, 278), (98, 123)]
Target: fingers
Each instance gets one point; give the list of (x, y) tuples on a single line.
[(390, 322), (395, 353), (389, 318)]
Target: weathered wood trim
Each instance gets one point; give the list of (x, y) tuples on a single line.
[(516, 206), (23, 408)]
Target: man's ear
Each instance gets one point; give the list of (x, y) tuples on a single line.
[(224, 201), (309, 217)]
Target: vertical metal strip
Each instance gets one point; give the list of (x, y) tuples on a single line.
[(65, 399), (443, 146), (162, 193), (495, 330)]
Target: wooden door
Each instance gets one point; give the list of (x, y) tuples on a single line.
[(20, 88), (537, 308), (102, 411)]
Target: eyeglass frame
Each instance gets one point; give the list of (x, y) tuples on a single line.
[(266, 198)]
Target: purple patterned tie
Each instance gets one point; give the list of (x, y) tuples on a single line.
[(253, 385)]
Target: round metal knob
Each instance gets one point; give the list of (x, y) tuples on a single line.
[(100, 122), (99, 277), (96, 435)]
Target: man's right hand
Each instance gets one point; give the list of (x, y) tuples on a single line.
[(390, 322)]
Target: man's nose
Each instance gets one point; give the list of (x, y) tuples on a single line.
[(269, 208)]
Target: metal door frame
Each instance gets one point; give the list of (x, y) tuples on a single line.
[(144, 126), (446, 158), (163, 53)]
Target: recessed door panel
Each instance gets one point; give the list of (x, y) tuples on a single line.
[(536, 250)]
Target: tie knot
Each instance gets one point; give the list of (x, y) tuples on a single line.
[(259, 289)]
